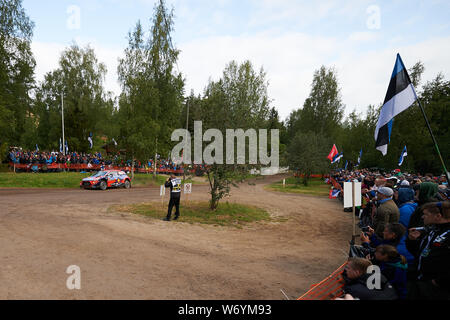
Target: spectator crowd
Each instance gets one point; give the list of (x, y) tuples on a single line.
[(405, 235), (19, 156)]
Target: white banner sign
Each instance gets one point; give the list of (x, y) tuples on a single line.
[(188, 188), (348, 201)]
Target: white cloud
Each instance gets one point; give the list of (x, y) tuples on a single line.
[(47, 59), (289, 61)]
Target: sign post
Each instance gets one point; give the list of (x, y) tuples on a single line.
[(187, 190), (162, 193), (352, 199)]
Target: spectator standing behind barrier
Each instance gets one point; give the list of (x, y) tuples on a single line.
[(356, 280), (175, 193), (431, 247), (393, 266), (427, 193), (386, 211)]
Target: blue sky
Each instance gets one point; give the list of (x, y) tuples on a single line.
[(289, 38)]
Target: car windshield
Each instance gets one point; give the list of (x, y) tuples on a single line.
[(99, 174)]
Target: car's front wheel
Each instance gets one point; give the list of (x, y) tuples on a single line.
[(103, 185), (127, 184)]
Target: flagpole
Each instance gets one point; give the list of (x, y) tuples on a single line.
[(62, 120), (434, 140)]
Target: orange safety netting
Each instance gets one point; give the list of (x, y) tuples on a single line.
[(328, 289)]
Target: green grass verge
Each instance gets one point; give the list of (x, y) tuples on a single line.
[(72, 180), (227, 214), (316, 187), (41, 180)]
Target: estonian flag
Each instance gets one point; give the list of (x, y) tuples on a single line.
[(337, 157), (359, 157), (399, 97), (402, 156)]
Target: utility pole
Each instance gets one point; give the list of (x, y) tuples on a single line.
[(187, 125), (62, 120)]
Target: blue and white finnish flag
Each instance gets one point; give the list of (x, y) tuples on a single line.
[(402, 156), (67, 148), (359, 157), (346, 163), (90, 140), (399, 97), (337, 157), (60, 146), (37, 148)]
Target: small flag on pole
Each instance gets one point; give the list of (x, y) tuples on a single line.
[(346, 163), (359, 157), (332, 153), (60, 146), (90, 140), (115, 143), (399, 97), (402, 156), (67, 147), (37, 148), (334, 193)]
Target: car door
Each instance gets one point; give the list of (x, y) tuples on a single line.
[(111, 179)]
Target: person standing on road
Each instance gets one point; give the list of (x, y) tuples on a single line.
[(175, 193)]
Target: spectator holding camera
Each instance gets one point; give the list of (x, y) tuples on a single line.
[(392, 233), (431, 247)]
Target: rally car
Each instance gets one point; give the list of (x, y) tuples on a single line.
[(106, 179)]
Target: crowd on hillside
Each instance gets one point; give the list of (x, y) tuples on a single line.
[(19, 156), (405, 232)]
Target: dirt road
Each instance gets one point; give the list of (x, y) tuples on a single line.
[(122, 256)]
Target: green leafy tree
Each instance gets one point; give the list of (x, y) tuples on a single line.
[(238, 100), (152, 90), (16, 73), (87, 107), (323, 110), (307, 154)]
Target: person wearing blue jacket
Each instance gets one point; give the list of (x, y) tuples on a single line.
[(393, 234), (393, 266), (407, 206)]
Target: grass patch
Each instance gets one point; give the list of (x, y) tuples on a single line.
[(41, 180), (143, 179), (316, 187), (71, 180), (227, 214)]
